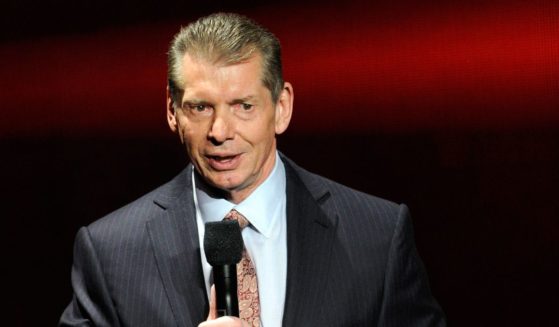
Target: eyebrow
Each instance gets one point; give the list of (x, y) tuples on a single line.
[(195, 101), (248, 98)]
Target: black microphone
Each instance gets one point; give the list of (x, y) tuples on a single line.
[(223, 245)]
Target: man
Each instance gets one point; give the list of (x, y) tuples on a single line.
[(322, 254)]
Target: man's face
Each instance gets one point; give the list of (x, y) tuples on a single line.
[(228, 123)]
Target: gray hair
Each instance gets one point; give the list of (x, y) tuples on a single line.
[(229, 39)]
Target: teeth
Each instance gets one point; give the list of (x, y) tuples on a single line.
[(223, 158)]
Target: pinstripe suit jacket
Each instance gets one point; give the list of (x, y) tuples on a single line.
[(351, 261)]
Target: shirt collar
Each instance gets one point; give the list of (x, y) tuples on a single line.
[(259, 207)]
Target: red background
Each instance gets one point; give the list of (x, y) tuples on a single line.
[(451, 107)]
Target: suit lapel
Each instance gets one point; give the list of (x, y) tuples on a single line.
[(175, 241), (310, 234)]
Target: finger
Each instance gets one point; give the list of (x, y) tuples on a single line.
[(212, 314), (226, 321)]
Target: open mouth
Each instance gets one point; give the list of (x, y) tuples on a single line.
[(222, 158), (224, 162)]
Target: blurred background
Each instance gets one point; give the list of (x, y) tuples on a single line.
[(451, 107)]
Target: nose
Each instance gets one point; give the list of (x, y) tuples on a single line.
[(222, 127)]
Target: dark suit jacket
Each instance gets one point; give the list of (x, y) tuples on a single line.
[(352, 261)]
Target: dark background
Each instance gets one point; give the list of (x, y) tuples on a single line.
[(450, 107)]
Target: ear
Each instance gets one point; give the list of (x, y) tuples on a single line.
[(284, 108), (171, 118)]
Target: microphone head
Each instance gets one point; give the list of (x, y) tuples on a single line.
[(223, 243)]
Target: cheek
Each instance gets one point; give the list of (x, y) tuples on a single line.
[(185, 133), (185, 128), (194, 137), (263, 138), (187, 137)]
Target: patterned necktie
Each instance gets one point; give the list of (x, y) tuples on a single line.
[(247, 284)]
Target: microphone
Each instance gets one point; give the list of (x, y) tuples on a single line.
[(223, 245)]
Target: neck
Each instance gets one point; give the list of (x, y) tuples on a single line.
[(239, 194)]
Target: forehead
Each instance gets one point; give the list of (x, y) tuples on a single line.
[(202, 77)]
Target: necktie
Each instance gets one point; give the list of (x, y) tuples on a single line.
[(247, 284)]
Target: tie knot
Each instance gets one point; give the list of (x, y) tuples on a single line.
[(235, 215)]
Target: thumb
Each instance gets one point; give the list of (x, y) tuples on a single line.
[(213, 310)]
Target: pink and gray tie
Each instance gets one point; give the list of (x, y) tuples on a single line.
[(247, 284)]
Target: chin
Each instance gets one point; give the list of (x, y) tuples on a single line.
[(226, 183)]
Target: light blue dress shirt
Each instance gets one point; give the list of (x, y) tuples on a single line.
[(265, 238)]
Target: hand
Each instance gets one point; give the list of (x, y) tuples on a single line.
[(226, 321)]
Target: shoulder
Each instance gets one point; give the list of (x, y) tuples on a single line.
[(131, 219), (344, 196), (350, 208), (364, 225)]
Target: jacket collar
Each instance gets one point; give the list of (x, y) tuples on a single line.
[(174, 236), (311, 227)]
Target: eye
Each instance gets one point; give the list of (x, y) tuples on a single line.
[(198, 107), (243, 110)]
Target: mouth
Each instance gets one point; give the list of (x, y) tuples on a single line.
[(224, 162)]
